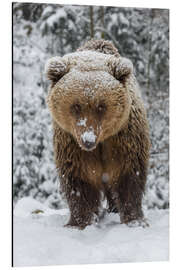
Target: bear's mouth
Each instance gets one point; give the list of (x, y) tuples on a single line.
[(88, 146)]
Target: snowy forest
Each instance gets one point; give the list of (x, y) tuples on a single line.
[(41, 31)]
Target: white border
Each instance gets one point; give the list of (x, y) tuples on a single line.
[(121, 3), (5, 139), (5, 132)]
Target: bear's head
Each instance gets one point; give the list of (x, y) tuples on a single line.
[(90, 95)]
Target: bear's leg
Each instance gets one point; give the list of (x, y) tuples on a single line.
[(129, 192), (112, 207), (83, 200)]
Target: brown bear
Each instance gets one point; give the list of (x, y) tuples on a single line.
[(101, 135)]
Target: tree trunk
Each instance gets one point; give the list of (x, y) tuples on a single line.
[(102, 20), (91, 21), (149, 49)]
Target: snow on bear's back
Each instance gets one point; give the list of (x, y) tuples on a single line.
[(88, 71), (88, 66), (88, 61), (91, 71)]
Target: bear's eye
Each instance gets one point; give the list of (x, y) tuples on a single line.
[(76, 109), (101, 108)]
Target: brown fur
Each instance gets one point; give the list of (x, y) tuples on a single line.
[(117, 163), (101, 45)]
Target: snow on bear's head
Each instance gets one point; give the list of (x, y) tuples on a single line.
[(90, 95)]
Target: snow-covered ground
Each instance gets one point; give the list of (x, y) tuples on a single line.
[(40, 238)]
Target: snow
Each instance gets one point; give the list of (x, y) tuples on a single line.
[(84, 60), (28, 206), (123, 19), (82, 122), (40, 238), (82, 71), (89, 136), (105, 177), (48, 10), (60, 13)]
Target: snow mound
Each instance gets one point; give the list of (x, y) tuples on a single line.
[(28, 206), (41, 238)]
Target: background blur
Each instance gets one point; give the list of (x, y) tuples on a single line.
[(41, 31)]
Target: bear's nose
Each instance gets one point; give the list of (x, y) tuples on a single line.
[(88, 145)]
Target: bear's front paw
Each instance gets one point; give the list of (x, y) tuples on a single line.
[(73, 226), (72, 223), (138, 223)]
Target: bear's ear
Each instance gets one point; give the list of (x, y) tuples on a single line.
[(122, 68), (55, 69)]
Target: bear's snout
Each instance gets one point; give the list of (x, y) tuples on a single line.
[(88, 140)]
